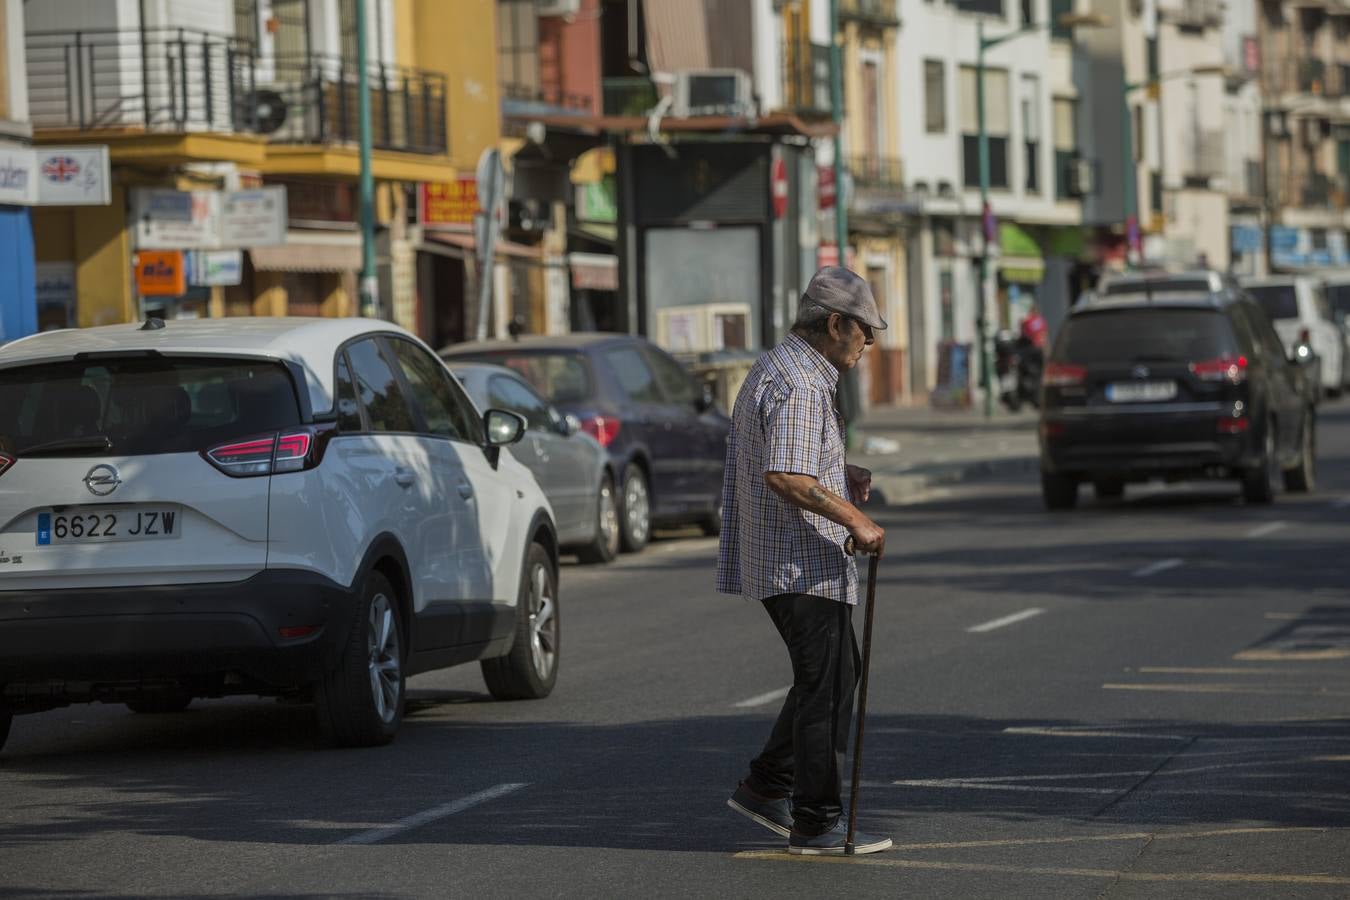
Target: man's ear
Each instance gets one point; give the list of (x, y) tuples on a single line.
[(834, 326)]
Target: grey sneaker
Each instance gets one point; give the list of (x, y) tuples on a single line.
[(831, 843), (775, 815)]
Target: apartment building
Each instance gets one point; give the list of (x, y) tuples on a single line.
[(1305, 76), (1038, 175), (213, 110)]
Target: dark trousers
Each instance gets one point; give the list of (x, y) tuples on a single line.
[(804, 757)]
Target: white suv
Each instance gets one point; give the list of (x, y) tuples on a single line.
[(287, 507), (1297, 306)]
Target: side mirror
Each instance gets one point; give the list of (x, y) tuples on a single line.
[(503, 427), (707, 399), (567, 425)]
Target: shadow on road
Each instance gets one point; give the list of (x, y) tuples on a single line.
[(254, 772)]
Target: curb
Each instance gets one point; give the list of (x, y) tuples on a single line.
[(909, 487)]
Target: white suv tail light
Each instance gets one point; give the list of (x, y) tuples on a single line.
[(272, 454)]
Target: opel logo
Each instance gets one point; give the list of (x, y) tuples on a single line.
[(102, 480), (1140, 371)]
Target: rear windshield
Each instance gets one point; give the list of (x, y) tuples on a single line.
[(1338, 295), (141, 405), (1140, 335), (1278, 300), (562, 377)]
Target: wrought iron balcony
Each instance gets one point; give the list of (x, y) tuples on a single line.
[(181, 80), (877, 172), (877, 12)]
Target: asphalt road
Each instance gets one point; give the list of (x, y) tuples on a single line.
[(1138, 699)]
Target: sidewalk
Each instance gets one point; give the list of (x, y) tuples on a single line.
[(912, 450)]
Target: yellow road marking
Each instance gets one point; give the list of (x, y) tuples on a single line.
[(1218, 670), (1093, 838), (1295, 655), (1219, 877), (1224, 689)]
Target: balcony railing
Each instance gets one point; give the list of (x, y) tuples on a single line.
[(156, 79), (524, 99), (628, 96), (179, 80), (1308, 76), (877, 12), (1314, 190), (877, 172)]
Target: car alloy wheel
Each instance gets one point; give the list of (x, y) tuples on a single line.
[(637, 511), (386, 681), (543, 624), (609, 517)]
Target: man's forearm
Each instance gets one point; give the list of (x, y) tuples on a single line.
[(807, 493)]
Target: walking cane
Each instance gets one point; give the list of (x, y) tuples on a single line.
[(850, 547)]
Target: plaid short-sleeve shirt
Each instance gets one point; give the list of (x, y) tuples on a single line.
[(784, 421)]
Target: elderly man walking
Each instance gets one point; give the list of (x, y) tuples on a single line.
[(788, 507)]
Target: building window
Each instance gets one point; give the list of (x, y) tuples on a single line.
[(1031, 132), (997, 125), (1058, 10), (1155, 193), (981, 7), (1137, 114), (518, 48), (934, 96), (1066, 144)]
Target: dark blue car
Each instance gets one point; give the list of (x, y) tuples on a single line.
[(660, 427)]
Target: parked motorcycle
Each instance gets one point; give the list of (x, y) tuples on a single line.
[(1017, 362)]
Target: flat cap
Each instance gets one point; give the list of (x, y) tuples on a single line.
[(844, 291)]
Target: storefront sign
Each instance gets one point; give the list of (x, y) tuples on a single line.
[(73, 176), (778, 187), (598, 201), (825, 190), (253, 218), (210, 268), (447, 203), (594, 271), (169, 220), (18, 175), (161, 273)]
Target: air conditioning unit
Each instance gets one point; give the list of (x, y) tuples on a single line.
[(1082, 177), (559, 7), (266, 109), (703, 327), (713, 92)]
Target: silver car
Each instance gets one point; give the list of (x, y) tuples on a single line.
[(571, 467)]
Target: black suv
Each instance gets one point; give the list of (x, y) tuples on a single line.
[(1177, 384)]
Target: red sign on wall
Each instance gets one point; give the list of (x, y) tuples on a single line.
[(778, 184), (447, 203)]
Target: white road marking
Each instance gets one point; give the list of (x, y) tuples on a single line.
[(1268, 528), (375, 835), (1161, 565), (1075, 733), (1006, 620), (763, 699)]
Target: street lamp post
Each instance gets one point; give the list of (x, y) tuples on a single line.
[(369, 286), (984, 44)]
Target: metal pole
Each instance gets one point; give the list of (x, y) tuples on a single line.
[(982, 321), (369, 290), (1130, 202), (837, 109)]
